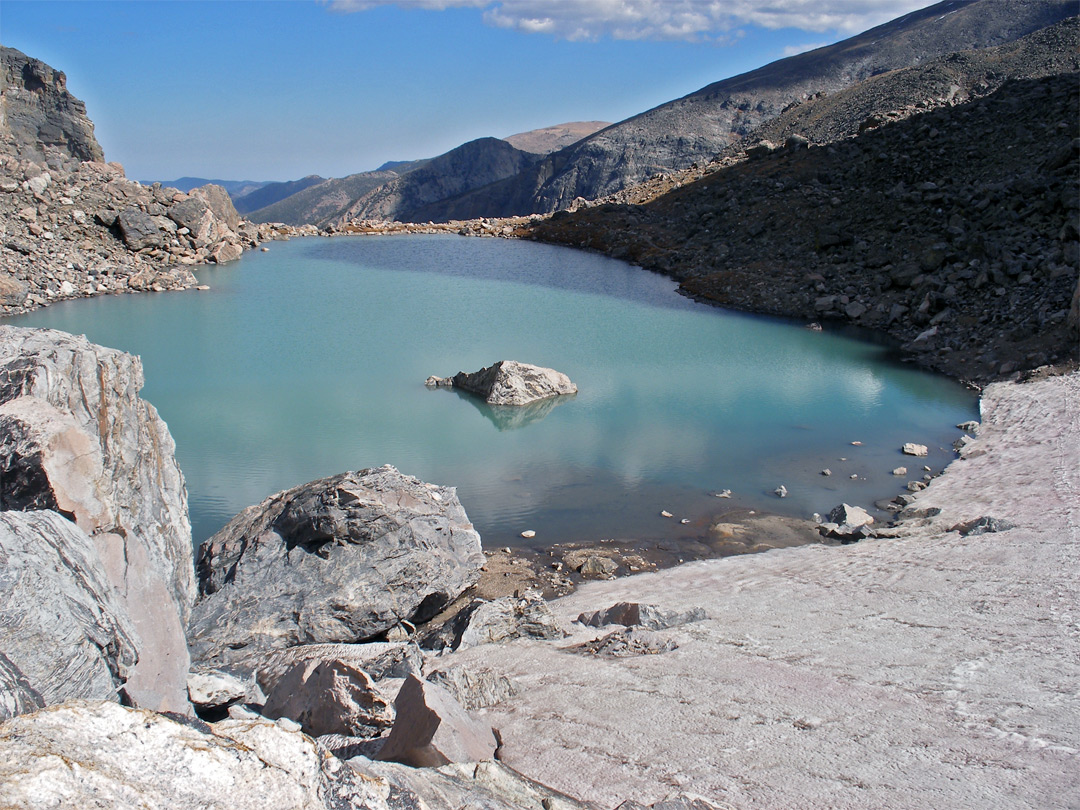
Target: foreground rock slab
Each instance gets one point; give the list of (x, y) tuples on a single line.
[(340, 559), (75, 437), (85, 754), (924, 671), (509, 382)]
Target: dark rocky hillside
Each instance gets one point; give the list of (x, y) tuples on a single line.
[(270, 193), (954, 230), (400, 195), (695, 128), (39, 119)]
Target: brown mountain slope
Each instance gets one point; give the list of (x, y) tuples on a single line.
[(551, 139)]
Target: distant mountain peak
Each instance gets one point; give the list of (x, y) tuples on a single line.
[(546, 140)]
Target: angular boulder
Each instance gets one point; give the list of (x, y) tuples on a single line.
[(63, 630), (341, 559), (502, 619), (138, 229), (75, 437), (330, 697), (433, 729), (635, 614), (379, 659), (510, 383)]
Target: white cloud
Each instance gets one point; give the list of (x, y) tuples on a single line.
[(663, 19)]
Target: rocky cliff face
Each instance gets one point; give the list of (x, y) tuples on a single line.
[(39, 119), (76, 438)]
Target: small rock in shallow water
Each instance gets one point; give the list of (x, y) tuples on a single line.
[(684, 521), (528, 534), (665, 513), (781, 491), (724, 493), (900, 471), (912, 449), (826, 471)]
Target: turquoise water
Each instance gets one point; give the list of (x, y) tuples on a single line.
[(310, 359)]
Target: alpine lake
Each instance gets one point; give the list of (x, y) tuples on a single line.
[(310, 359)]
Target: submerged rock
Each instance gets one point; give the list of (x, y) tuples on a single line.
[(510, 383), (341, 559)]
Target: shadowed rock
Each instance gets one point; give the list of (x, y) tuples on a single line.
[(633, 614), (379, 659), (503, 619), (330, 697), (340, 559)]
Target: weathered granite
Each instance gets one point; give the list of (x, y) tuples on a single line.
[(489, 622), (509, 382), (379, 659), (75, 437), (340, 559), (63, 631), (84, 754)]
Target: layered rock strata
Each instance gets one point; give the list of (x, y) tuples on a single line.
[(341, 559), (76, 438), (64, 633)]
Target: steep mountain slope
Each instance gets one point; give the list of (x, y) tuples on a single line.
[(546, 140), (695, 128), (323, 201), (269, 193), (469, 166), (954, 230), (39, 119), (391, 194), (236, 188)]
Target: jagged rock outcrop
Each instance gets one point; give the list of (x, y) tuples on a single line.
[(76, 438), (509, 382), (39, 119), (340, 559), (73, 226), (85, 754), (64, 633)]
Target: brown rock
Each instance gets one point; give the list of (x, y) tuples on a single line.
[(432, 729)]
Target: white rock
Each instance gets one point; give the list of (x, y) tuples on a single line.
[(912, 449)]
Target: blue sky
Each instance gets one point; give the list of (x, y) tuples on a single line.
[(277, 90)]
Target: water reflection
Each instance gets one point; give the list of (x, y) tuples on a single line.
[(512, 417)]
